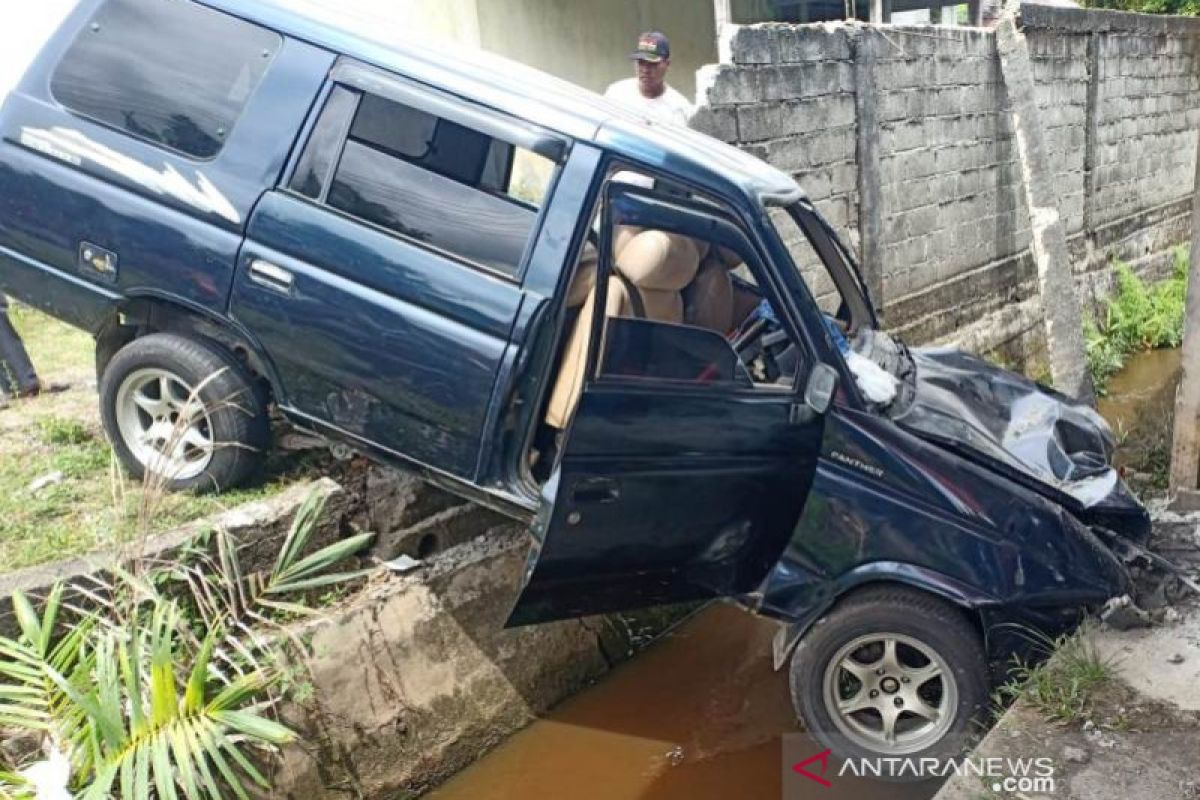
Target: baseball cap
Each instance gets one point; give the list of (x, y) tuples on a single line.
[(653, 47)]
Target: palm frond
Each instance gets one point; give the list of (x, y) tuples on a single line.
[(15, 787), (163, 688), (152, 740)]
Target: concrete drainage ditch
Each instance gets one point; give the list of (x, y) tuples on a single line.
[(413, 676)]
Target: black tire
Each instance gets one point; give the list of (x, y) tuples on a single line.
[(233, 410), (903, 616)]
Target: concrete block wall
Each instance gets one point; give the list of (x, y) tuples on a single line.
[(916, 120), (789, 98), (1147, 116), (1061, 76), (950, 200)]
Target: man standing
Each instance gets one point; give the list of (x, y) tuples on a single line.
[(649, 93), (17, 376)]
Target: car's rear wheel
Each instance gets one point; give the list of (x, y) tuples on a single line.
[(888, 673), (185, 412)]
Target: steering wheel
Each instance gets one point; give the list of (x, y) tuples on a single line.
[(762, 344)]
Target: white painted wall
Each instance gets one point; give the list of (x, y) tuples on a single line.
[(449, 20), (584, 41), (588, 41), (27, 25)]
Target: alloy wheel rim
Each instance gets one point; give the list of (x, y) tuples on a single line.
[(890, 693), (163, 422)]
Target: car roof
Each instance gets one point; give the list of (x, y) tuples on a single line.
[(519, 90)]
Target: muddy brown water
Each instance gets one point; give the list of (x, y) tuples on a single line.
[(1140, 405), (697, 716), (1143, 391)]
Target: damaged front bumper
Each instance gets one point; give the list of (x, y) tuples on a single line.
[(1026, 432)]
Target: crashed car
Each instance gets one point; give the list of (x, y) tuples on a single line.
[(647, 344)]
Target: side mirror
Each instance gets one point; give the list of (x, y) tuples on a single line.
[(822, 386)]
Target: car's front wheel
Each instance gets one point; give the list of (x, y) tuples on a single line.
[(185, 412), (891, 676)]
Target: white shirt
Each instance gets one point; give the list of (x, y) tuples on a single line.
[(670, 107)]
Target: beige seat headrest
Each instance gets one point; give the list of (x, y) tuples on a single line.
[(659, 261), (623, 235)]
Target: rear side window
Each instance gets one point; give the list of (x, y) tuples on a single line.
[(430, 180), (167, 71)]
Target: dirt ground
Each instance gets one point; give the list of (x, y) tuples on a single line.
[(61, 491)]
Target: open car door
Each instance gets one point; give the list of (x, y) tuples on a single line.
[(680, 477)]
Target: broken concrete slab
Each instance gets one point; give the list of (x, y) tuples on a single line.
[(1152, 757), (1121, 614), (1142, 658), (393, 500), (437, 532)]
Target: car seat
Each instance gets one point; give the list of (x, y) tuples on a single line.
[(652, 267)]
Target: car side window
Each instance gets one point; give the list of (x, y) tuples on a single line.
[(647, 349), (429, 180), (677, 309), (177, 75)]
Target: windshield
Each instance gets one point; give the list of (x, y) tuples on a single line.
[(825, 265), (881, 366)]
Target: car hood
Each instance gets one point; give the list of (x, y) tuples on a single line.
[(1007, 418)]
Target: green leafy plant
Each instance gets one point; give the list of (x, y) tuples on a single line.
[(1185, 7), (1135, 318), (166, 687)]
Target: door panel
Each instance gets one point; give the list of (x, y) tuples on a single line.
[(668, 496), (679, 478), (375, 336)]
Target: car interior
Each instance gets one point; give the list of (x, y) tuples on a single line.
[(678, 309)]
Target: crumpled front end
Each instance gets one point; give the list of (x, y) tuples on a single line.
[(1025, 430)]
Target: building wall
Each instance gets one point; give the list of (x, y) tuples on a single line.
[(919, 116)]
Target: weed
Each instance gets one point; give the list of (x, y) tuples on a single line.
[(1136, 317), (57, 430), (1064, 686)]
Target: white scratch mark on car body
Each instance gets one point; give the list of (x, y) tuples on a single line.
[(74, 148)]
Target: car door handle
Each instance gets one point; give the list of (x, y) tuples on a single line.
[(595, 490), (266, 274)]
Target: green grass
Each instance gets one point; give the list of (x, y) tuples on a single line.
[(94, 504), (58, 350), (1064, 687), (1137, 317), (56, 430)]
